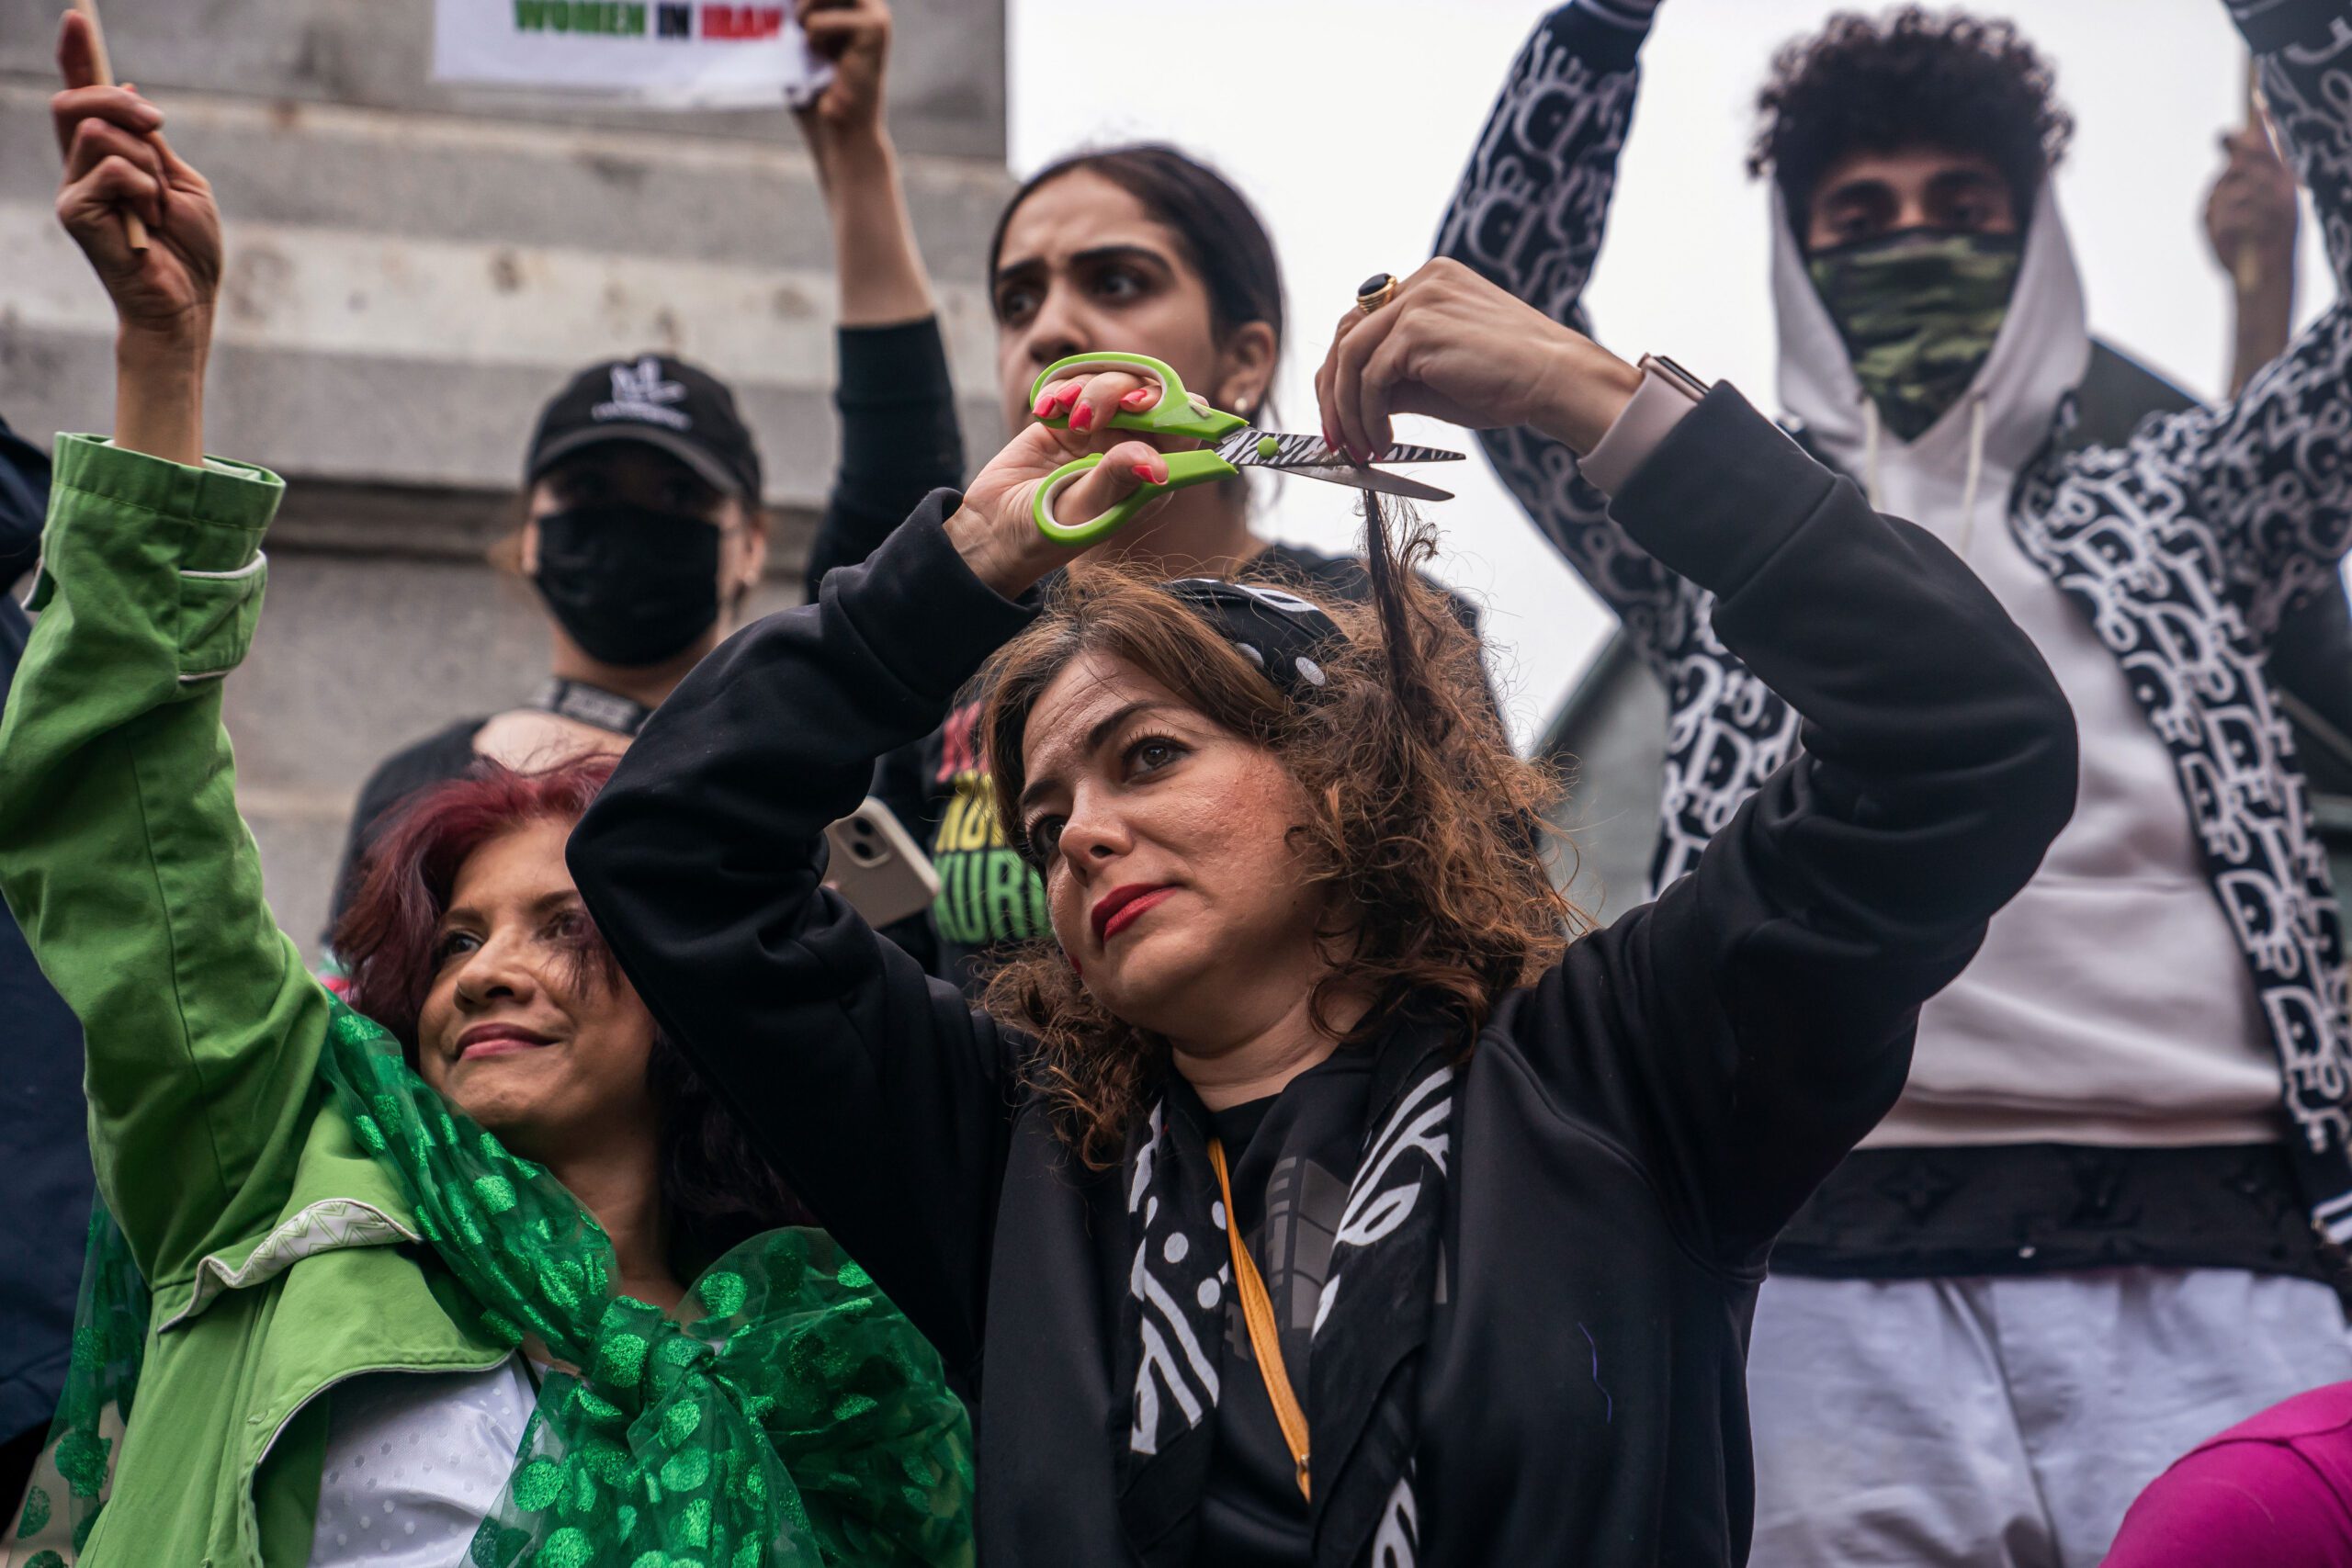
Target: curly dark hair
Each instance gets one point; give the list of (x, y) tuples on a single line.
[(717, 1189), (1423, 824), (1910, 78)]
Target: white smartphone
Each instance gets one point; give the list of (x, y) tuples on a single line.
[(877, 867)]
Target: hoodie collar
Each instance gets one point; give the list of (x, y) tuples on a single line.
[(2040, 354)]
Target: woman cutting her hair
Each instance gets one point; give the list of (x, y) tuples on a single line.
[(1310, 1197)]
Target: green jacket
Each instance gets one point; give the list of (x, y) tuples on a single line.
[(274, 1247)]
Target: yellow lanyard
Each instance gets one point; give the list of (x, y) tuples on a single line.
[(1265, 1340)]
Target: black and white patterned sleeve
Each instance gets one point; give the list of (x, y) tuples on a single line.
[(1529, 214), (2271, 472)]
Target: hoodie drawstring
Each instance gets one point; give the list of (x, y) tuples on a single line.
[(1876, 491), (1976, 473), (1871, 486)]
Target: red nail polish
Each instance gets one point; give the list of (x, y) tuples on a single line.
[(1045, 407), (1082, 417), (1152, 473), (1141, 398)]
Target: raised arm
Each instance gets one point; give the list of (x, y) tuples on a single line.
[(1529, 215), (121, 851), (2270, 472), (882, 1098), (2250, 221), (2303, 52), (1774, 990), (900, 436), (1739, 1035)]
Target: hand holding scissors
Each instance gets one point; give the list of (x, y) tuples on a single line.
[(1233, 444)]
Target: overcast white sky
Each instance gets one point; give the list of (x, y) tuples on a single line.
[(1347, 122)]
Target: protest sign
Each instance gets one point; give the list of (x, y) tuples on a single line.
[(676, 53)]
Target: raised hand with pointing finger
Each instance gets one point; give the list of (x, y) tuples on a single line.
[(117, 161), (116, 157)]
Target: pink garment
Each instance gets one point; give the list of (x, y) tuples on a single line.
[(2274, 1491)]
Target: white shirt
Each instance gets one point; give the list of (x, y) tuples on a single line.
[(414, 1463)]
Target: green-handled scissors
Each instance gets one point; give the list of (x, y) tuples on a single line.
[(1234, 446)]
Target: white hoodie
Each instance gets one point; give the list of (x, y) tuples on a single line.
[(2111, 1003)]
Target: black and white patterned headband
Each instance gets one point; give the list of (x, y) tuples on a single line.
[(1280, 633)]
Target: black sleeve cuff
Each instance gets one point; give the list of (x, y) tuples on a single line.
[(2270, 26), (902, 364), (1606, 35), (1719, 493), (918, 609)]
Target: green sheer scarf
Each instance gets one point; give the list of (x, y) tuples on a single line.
[(798, 1420), (69, 1481)]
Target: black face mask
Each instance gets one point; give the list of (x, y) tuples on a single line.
[(630, 585)]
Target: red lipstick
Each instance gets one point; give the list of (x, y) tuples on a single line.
[(1123, 907)]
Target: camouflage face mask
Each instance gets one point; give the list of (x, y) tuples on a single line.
[(1919, 311)]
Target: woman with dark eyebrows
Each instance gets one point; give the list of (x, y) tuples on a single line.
[(1142, 248)]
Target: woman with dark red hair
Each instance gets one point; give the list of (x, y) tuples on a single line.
[(471, 1267)]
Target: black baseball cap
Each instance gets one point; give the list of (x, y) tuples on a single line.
[(662, 401)]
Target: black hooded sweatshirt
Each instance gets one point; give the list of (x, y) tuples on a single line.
[(1627, 1134)]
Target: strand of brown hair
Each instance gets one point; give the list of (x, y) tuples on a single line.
[(1385, 570)]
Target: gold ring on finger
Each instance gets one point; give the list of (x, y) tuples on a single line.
[(1376, 292)]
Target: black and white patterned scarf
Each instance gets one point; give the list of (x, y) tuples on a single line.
[(1369, 1328)]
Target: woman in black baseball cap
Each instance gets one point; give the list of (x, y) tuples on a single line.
[(642, 528), (643, 535)]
